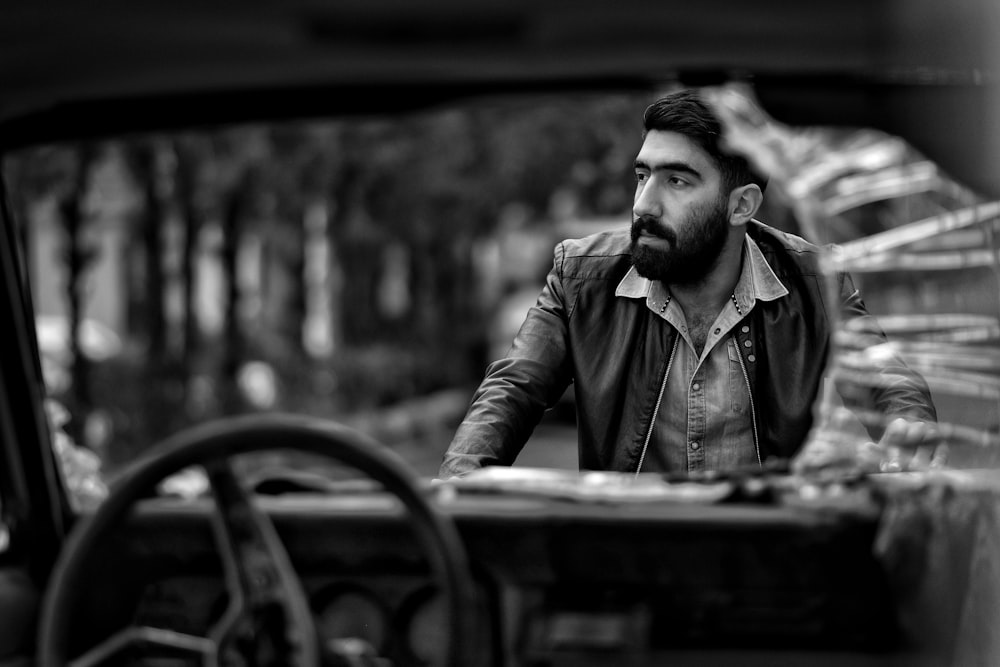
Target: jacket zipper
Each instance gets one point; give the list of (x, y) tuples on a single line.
[(753, 411), (656, 408)]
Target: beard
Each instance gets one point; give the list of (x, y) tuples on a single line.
[(691, 255)]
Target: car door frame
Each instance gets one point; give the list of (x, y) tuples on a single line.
[(35, 508)]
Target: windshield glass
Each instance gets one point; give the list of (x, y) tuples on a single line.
[(368, 270)]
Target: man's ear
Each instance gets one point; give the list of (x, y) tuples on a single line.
[(743, 203)]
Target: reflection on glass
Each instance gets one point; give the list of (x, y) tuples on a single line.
[(923, 251)]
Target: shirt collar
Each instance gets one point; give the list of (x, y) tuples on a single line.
[(757, 280)]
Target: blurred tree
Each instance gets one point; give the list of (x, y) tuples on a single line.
[(79, 253), (144, 157), (235, 207), (221, 247), (304, 162), (239, 179), (194, 198)]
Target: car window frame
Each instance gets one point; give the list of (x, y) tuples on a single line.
[(34, 504)]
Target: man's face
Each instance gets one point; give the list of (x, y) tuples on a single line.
[(680, 217)]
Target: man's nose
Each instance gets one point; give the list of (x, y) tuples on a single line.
[(646, 203)]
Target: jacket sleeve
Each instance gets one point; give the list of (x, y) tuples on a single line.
[(517, 389), (871, 375)]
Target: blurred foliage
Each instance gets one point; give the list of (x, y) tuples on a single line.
[(412, 196)]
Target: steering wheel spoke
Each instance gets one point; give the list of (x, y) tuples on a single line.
[(147, 637), (268, 612)]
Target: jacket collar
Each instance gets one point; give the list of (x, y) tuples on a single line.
[(757, 280)]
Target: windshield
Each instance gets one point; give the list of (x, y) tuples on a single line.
[(368, 269)]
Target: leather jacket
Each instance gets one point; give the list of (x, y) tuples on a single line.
[(616, 351)]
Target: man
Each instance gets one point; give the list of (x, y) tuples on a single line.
[(697, 341)]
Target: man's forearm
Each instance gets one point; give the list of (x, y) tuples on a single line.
[(504, 412)]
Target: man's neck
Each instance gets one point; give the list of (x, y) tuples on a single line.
[(709, 296)]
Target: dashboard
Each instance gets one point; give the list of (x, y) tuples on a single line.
[(558, 580)]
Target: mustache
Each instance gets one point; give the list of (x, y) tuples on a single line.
[(649, 225)]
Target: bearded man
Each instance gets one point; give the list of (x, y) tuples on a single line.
[(696, 341)]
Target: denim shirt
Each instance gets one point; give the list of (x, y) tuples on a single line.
[(705, 419)]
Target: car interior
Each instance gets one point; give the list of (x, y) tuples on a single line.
[(256, 257)]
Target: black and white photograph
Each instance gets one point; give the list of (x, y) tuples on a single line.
[(500, 333)]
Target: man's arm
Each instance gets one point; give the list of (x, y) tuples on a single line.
[(871, 374), (890, 399), (874, 380), (517, 389)]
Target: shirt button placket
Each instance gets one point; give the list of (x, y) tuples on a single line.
[(696, 424)]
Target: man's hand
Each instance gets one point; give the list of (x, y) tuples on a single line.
[(905, 445), (910, 445)]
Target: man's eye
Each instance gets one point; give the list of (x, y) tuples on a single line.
[(640, 176), (674, 180)]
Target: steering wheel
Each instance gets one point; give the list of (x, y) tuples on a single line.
[(268, 611)]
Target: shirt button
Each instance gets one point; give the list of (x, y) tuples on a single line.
[(717, 331), (745, 329), (747, 343), (695, 445), (751, 358), (696, 386)]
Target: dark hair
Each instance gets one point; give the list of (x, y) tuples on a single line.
[(686, 113)]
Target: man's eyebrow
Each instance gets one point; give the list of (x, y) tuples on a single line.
[(682, 167)]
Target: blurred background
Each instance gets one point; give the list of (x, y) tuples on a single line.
[(365, 270)]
